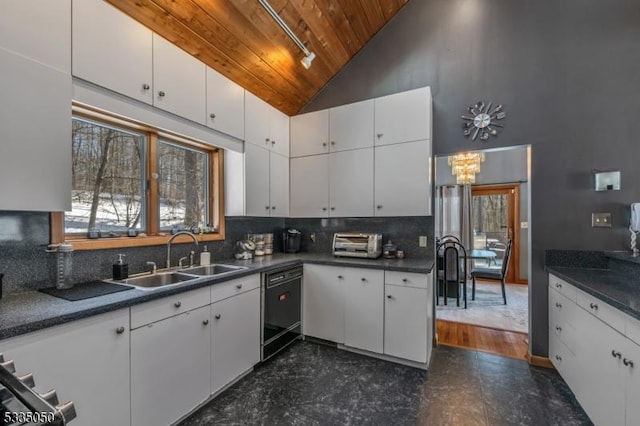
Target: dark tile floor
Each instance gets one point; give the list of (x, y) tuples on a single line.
[(311, 384)]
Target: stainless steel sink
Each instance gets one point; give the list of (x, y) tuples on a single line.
[(150, 282), (213, 269)]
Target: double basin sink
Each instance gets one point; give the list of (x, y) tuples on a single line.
[(182, 276)]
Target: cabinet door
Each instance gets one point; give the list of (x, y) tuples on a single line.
[(403, 117), (256, 165), (38, 30), (632, 353), (403, 179), (351, 183), (170, 367), (323, 302), (279, 132), (364, 309), (279, 185), (179, 81), (86, 362), (235, 337), (310, 133), (257, 117), (225, 105), (35, 130), (351, 126), (112, 50), (405, 322), (233, 183), (310, 186)]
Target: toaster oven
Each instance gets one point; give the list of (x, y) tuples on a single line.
[(352, 244)]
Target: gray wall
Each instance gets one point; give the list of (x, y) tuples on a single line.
[(568, 74)]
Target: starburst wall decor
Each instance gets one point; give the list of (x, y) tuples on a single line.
[(483, 122)]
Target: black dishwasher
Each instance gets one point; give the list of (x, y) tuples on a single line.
[(281, 300)]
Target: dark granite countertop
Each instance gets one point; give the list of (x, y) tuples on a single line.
[(615, 288), (31, 311)]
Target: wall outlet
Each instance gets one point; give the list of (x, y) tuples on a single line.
[(422, 241), (601, 220)]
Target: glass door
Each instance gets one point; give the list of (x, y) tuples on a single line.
[(494, 216)]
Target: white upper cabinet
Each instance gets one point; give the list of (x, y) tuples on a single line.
[(279, 185), (310, 186), (403, 179), (225, 105), (266, 126), (35, 130), (112, 50), (256, 165), (39, 30), (310, 133), (351, 183), (179, 81), (403, 117), (351, 126)]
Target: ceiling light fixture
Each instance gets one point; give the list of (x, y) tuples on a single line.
[(308, 55), (464, 166)]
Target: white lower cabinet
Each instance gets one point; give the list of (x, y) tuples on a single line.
[(170, 367), (632, 354), (364, 309), (235, 337), (85, 361), (405, 322), (323, 302)]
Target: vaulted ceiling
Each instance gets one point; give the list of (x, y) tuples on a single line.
[(239, 39)]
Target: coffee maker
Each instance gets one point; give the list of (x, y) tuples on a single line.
[(291, 239)]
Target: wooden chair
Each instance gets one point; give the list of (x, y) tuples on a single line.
[(492, 274), (452, 270)]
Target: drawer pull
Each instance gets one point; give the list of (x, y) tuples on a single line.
[(177, 304), (389, 296), (120, 330), (627, 362), (404, 280), (593, 306), (218, 316), (205, 322), (239, 286), (559, 358), (145, 86), (558, 285), (558, 305), (363, 279), (161, 94), (615, 354), (558, 328), (340, 277)]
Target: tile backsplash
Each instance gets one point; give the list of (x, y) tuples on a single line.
[(27, 266)]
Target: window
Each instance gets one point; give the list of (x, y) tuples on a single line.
[(129, 179)]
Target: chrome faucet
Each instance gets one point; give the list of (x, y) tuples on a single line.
[(195, 240)]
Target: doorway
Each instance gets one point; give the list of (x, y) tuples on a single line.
[(495, 219)]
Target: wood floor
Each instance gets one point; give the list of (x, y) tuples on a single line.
[(459, 335)]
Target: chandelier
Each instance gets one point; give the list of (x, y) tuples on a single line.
[(465, 166)]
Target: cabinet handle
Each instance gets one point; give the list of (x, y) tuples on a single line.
[(559, 358), (333, 208), (404, 280), (389, 296), (627, 362), (363, 279), (177, 304), (340, 277), (161, 93), (558, 285), (379, 206), (266, 207), (145, 86), (558, 328), (238, 286), (333, 142), (615, 354), (558, 305), (273, 207), (266, 140), (593, 306), (273, 142), (218, 316), (379, 135), (212, 115), (120, 330), (324, 209), (324, 144), (205, 322)]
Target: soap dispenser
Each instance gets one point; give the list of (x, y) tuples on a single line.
[(120, 269), (205, 257)]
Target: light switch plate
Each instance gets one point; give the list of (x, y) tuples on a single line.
[(601, 220), (423, 241), (524, 225)]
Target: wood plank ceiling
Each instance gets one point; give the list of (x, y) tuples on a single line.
[(239, 39)]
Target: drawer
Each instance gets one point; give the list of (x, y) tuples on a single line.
[(562, 287), (166, 307), (564, 361), (233, 287), (407, 279), (632, 328), (601, 310), (561, 308)]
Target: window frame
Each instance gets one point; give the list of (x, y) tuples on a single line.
[(154, 236)]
